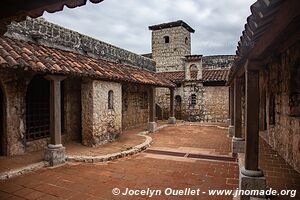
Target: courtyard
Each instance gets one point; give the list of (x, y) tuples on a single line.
[(166, 164)]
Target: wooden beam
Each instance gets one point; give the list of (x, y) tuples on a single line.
[(288, 11)]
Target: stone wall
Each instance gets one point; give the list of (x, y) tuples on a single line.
[(216, 103), (49, 34), (14, 84), (211, 102), (100, 124), (168, 56), (283, 84), (72, 109), (135, 105), (218, 61)]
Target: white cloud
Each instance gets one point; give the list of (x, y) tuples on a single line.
[(218, 24)]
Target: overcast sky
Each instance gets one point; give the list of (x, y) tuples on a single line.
[(124, 23)]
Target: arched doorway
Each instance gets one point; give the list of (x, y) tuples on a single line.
[(2, 145), (178, 102), (37, 109)]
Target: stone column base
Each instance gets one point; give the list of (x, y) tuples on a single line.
[(251, 180), (172, 120), (238, 145), (152, 127), (55, 154), (231, 131)]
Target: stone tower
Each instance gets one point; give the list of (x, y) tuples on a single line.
[(171, 42)]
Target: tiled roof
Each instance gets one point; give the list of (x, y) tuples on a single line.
[(172, 24), (262, 14), (214, 75), (16, 54)]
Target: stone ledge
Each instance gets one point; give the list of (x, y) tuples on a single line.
[(23, 170), (93, 159), (201, 124)]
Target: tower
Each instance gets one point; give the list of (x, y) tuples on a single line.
[(171, 42)]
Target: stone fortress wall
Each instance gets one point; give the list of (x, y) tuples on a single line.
[(49, 34)]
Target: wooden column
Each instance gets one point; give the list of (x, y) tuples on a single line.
[(152, 104), (55, 109), (252, 119), (231, 110), (152, 124), (231, 104), (172, 119), (55, 152), (237, 108)]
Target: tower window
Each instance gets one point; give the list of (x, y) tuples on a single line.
[(193, 100), (110, 99), (167, 39), (186, 40)]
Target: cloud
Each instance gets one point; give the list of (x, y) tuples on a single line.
[(218, 24)]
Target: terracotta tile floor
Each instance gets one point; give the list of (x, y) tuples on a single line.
[(128, 139), (194, 139), (14, 162), (141, 171), (278, 173)]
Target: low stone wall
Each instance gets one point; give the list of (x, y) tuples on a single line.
[(49, 34), (135, 105), (100, 124)]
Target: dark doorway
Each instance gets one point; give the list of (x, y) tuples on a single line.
[(37, 109), (1, 123), (178, 107)]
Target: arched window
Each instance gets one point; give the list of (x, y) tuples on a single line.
[(193, 71), (186, 40), (167, 39), (110, 99), (193, 67)]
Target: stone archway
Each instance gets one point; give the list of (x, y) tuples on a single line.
[(2, 134), (178, 107)]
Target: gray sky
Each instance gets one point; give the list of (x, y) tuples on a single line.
[(124, 23)]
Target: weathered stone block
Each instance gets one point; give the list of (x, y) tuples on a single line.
[(238, 145), (254, 182), (55, 154), (231, 131), (172, 120), (152, 127)]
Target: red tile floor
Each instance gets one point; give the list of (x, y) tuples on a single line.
[(145, 170)]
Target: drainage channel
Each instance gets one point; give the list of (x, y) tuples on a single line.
[(191, 155)]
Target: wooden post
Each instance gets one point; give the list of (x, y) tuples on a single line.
[(152, 124), (172, 119), (55, 152), (252, 120)]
